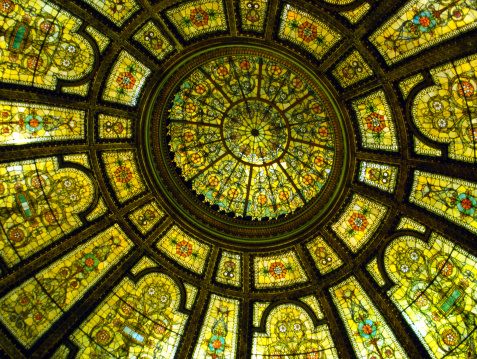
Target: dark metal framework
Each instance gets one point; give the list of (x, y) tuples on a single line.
[(386, 77)]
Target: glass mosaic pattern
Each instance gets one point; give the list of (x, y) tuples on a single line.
[(435, 293), (251, 168), (110, 127), (278, 270), (253, 14), (353, 16), (152, 39), (313, 303), (229, 270), (146, 217), (80, 90), (367, 330), (218, 334), (408, 84), (376, 123), (31, 308), (196, 18), (101, 40), (116, 11), (451, 198), (359, 221), (420, 148), (373, 269), (22, 123), (39, 204), (185, 250), (126, 80), (79, 158), (352, 70), (421, 24), (441, 112), (98, 211), (407, 223), (378, 175), (290, 330), (144, 263), (323, 255), (141, 319), (191, 295), (258, 309), (39, 45), (307, 31), (123, 174)]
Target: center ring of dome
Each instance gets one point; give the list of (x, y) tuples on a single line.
[(255, 131)]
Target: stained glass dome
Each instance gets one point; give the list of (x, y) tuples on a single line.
[(252, 136), (228, 179)]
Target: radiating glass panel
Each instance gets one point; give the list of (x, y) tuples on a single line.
[(39, 204), (421, 24), (22, 123), (367, 330), (30, 309), (218, 334), (435, 292), (449, 197), (141, 319), (352, 69), (445, 112), (40, 45)]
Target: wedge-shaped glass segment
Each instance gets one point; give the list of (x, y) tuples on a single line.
[(421, 24), (123, 174), (125, 81), (154, 41), (376, 122), (230, 269), (307, 31), (359, 221), (451, 198), (116, 11), (184, 249), (378, 175), (278, 270), (367, 330), (142, 319), (352, 70), (435, 292), (196, 18), (30, 309)]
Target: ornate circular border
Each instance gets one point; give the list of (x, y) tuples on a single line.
[(217, 224)]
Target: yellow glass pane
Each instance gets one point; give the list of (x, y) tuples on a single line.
[(184, 249), (367, 330), (352, 70), (451, 198), (278, 270), (40, 204), (359, 221), (22, 123), (218, 335), (116, 11), (421, 24), (30, 309), (435, 292), (307, 31), (40, 45), (153, 41), (323, 255), (229, 270), (146, 217), (378, 175)]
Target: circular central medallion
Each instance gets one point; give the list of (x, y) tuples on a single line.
[(255, 132), (243, 135)]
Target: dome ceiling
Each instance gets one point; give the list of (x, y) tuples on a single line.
[(238, 179)]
